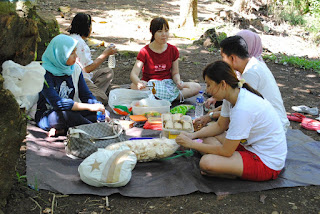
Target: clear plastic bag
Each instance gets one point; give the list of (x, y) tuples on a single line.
[(25, 82), (149, 149)]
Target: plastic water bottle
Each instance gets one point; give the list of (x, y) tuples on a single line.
[(111, 59), (199, 105), (101, 118)]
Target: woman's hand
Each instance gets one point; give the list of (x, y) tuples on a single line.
[(210, 101), (201, 122), (141, 84), (184, 139), (180, 85), (110, 50), (96, 107)]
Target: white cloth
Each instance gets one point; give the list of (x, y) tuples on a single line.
[(75, 79), (259, 76), (84, 55), (253, 118)]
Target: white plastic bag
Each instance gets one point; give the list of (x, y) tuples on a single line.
[(111, 168), (149, 149), (124, 97), (25, 82)]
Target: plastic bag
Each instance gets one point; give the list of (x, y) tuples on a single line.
[(120, 99), (182, 109), (149, 149), (25, 82)]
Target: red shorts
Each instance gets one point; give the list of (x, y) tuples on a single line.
[(253, 168)]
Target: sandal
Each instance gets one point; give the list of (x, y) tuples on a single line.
[(296, 117), (310, 124), (306, 109)]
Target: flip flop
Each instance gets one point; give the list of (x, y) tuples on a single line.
[(296, 117), (310, 124), (306, 109)]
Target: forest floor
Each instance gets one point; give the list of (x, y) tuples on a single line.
[(126, 24)]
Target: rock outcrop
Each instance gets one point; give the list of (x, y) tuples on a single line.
[(22, 39)]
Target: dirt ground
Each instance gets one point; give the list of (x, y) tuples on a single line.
[(125, 23)]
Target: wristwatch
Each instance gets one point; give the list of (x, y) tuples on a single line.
[(211, 115)]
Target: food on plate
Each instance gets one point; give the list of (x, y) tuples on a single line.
[(177, 125), (187, 125), (186, 118), (176, 117), (166, 117), (168, 124)]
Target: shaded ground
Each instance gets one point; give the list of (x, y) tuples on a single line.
[(125, 23)]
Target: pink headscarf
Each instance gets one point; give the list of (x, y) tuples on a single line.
[(253, 41)]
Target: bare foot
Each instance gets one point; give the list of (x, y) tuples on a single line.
[(52, 132), (56, 132)]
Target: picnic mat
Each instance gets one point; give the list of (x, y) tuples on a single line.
[(49, 168)]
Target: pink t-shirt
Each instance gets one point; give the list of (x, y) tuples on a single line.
[(157, 66)]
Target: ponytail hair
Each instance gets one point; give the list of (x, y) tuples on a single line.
[(252, 90), (80, 25), (157, 24), (220, 70)]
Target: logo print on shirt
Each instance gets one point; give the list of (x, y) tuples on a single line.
[(161, 67), (65, 90)]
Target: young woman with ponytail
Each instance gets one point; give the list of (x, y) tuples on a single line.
[(248, 140), (159, 64)]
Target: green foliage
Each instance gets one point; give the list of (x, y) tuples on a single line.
[(293, 18), (221, 36), (21, 178), (7, 7), (295, 61), (305, 13), (212, 49)]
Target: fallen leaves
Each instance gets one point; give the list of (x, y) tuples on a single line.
[(262, 198)]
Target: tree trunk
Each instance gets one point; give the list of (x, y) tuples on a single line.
[(188, 13)]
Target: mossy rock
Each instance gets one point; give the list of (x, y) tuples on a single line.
[(18, 39), (12, 132), (22, 40)]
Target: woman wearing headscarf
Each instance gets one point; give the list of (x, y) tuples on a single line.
[(254, 43), (65, 99)]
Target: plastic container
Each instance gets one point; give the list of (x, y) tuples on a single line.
[(140, 107), (199, 105), (173, 133)]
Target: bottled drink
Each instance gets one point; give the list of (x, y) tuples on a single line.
[(199, 105), (101, 117), (111, 59)]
